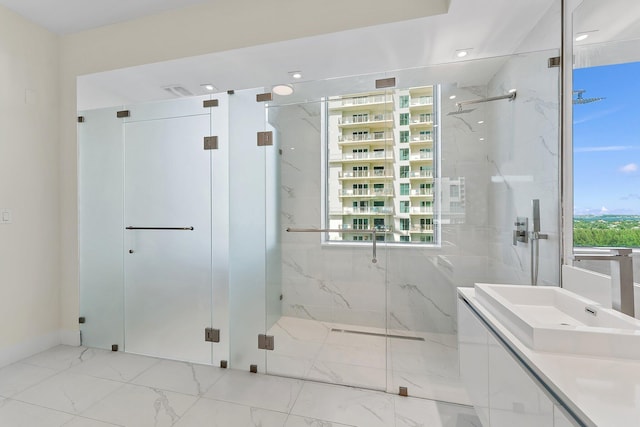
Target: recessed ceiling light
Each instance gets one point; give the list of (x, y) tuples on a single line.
[(461, 53), (481, 139), (480, 122), (208, 86), (283, 90), (581, 37), (295, 75), (452, 97)]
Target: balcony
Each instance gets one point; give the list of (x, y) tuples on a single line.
[(423, 228), (421, 101), (366, 119), (373, 210), (377, 137), (421, 156), (367, 155), (422, 210), (421, 192), (421, 174), (374, 174), (421, 138), (359, 101), (366, 192), (422, 118)]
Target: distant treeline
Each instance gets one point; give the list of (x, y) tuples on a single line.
[(607, 230)]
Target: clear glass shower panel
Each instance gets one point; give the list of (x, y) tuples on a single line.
[(168, 237), (100, 196), (325, 293)]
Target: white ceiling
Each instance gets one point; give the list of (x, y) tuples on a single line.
[(70, 16), (491, 27)]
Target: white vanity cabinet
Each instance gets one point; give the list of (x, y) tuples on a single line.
[(502, 392)]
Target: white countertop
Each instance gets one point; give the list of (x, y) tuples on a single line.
[(603, 392)]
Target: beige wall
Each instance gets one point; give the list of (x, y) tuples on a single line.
[(30, 246), (197, 30)]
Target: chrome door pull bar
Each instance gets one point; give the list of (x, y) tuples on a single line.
[(372, 231), (161, 228)]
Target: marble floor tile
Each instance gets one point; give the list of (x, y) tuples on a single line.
[(348, 374), (292, 366), (62, 357), (345, 405), (20, 376), (213, 413), (297, 421), (256, 390), (139, 406), (20, 414), (180, 377), (68, 392), (117, 366), (87, 422)]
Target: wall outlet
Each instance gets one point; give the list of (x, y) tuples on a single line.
[(5, 216)]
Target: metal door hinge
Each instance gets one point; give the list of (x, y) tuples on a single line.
[(212, 335), (265, 138), (262, 97), (404, 391), (210, 142), (266, 342), (384, 83), (553, 62), (80, 119), (123, 113), (82, 319), (210, 103)]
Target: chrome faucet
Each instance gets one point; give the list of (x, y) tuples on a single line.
[(622, 298)]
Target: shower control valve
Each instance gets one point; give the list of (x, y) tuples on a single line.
[(520, 232)]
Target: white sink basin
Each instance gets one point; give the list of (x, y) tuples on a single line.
[(556, 320)]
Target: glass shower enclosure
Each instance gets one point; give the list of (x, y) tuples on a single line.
[(331, 228)]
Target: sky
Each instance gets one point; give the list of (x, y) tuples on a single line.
[(606, 141)]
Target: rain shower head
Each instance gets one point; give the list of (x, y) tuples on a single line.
[(580, 100)]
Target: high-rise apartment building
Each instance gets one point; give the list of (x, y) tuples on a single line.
[(382, 165)]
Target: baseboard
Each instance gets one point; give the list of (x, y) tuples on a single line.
[(69, 337), (13, 353)]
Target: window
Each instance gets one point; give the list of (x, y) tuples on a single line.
[(605, 166), (404, 136), (368, 167)]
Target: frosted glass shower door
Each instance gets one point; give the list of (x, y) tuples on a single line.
[(168, 238)]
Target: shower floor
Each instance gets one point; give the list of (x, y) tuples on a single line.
[(425, 363)]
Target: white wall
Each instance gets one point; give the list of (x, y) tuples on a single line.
[(196, 30), (30, 246)]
